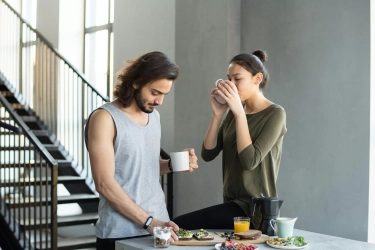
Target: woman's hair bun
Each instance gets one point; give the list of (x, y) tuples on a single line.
[(262, 55)]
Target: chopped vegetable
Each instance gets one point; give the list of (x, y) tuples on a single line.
[(297, 241), (183, 233)]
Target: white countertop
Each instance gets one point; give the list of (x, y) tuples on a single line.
[(316, 242)]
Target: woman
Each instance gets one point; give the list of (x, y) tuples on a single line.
[(250, 137)]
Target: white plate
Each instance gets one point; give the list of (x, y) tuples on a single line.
[(286, 247)]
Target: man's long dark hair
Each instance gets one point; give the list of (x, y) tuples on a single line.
[(145, 69)]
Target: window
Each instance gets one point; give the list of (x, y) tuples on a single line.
[(98, 52)]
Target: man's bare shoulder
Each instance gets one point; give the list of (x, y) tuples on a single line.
[(101, 119), (100, 115)]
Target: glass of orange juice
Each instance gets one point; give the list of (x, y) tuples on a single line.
[(241, 224)]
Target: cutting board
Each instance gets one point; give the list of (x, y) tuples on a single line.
[(218, 239)]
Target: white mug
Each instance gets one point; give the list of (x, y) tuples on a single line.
[(218, 98), (180, 161)]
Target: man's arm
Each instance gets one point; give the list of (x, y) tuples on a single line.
[(101, 137)]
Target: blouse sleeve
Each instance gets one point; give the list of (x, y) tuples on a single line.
[(210, 154), (274, 128)]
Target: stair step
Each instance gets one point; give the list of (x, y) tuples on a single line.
[(31, 201), (49, 147), (29, 118), (61, 163), (62, 221), (21, 111), (42, 181), (3, 88), (7, 133), (64, 163), (73, 243), (11, 98), (41, 132)]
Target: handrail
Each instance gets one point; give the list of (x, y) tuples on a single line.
[(10, 127), (27, 131), (50, 45), (23, 150)]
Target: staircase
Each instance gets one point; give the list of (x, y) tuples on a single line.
[(47, 102), (31, 202)]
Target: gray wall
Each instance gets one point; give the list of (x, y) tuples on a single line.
[(143, 26), (207, 35), (319, 63), (47, 20)]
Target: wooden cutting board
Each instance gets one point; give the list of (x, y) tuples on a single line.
[(218, 239)]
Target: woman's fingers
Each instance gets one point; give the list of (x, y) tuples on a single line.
[(227, 88)]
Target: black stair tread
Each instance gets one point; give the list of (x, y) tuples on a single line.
[(60, 162), (43, 181), (7, 133), (31, 201), (64, 220), (75, 198), (41, 132), (49, 147), (91, 217), (3, 87), (73, 243), (29, 118)]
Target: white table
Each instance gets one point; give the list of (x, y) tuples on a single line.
[(316, 242)]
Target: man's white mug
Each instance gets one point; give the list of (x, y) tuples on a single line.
[(180, 161)]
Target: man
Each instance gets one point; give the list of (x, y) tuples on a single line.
[(123, 140)]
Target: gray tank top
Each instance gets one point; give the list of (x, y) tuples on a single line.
[(137, 170)]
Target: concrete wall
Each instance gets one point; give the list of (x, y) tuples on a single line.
[(207, 35), (143, 26), (371, 219), (47, 20), (319, 63)]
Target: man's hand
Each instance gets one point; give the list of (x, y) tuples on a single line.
[(193, 159), (159, 223)]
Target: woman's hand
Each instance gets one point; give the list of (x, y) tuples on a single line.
[(228, 91), (218, 109)]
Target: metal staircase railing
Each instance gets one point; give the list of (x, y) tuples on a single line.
[(23, 161), (59, 94)]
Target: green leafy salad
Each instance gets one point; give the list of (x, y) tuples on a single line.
[(297, 241)]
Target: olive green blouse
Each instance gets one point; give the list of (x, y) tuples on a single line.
[(254, 170)]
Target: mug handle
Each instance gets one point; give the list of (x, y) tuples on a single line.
[(273, 225)]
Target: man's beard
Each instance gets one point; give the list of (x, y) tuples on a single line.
[(142, 103)]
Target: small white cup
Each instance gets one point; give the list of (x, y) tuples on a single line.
[(217, 97), (180, 161)]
